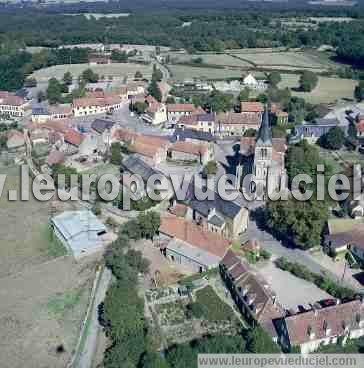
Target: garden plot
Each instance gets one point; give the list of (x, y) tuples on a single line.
[(189, 317)]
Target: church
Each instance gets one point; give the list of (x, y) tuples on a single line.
[(263, 158)]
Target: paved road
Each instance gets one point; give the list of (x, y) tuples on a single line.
[(295, 255), (86, 356)]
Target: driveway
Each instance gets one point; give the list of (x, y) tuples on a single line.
[(291, 291), (91, 332), (300, 256)]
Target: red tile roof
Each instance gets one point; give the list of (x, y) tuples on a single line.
[(181, 108), (251, 107), (178, 210), (73, 137), (55, 157), (194, 235), (103, 100), (360, 126), (230, 259), (189, 147), (234, 118), (123, 134), (8, 98)]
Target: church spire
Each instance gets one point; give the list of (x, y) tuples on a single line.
[(265, 133)]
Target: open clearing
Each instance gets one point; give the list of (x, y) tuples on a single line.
[(22, 230), (117, 70), (289, 59), (40, 310), (214, 59), (182, 72), (328, 89), (43, 294)]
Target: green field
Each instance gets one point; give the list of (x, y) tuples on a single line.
[(184, 72), (328, 90), (287, 60), (214, 59), (117, 70)]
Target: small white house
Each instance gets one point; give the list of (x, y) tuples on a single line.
[(250, 82)]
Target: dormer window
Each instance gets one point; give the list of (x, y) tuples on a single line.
[(359, 320), (327, 328), (310, 332)]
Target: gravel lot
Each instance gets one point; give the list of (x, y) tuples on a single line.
[(291, 291)]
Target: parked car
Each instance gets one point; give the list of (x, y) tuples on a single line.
[(327, 302)]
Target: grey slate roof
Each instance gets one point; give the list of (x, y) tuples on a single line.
[(138, 167), (206, 117), (265, 133), (183, 134), (228, 209), (216, 221), (80, 229), (100, 125), (324, 121), (39, 110), (198, 255)]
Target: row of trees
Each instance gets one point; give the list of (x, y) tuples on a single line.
[(123, 312), (300, 222), (16, 65), (58, 91)]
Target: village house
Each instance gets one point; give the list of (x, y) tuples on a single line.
[(53, 112), (312, 131), (176, 111), (200, 153), (226, 218), (352, 239), (136, 173), (59, 133), (252, 110), (250, 82), (251, 293), (102, 131), (201, 122), (123, 135), (156, 112), (236, 124), (55, 157), (322, 326), (136, 88), (189, 245), (104, 103), (12, 105), (15, 141), (152, 149)]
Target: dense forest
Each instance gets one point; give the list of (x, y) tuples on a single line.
[(206, 32), (209, 31)]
